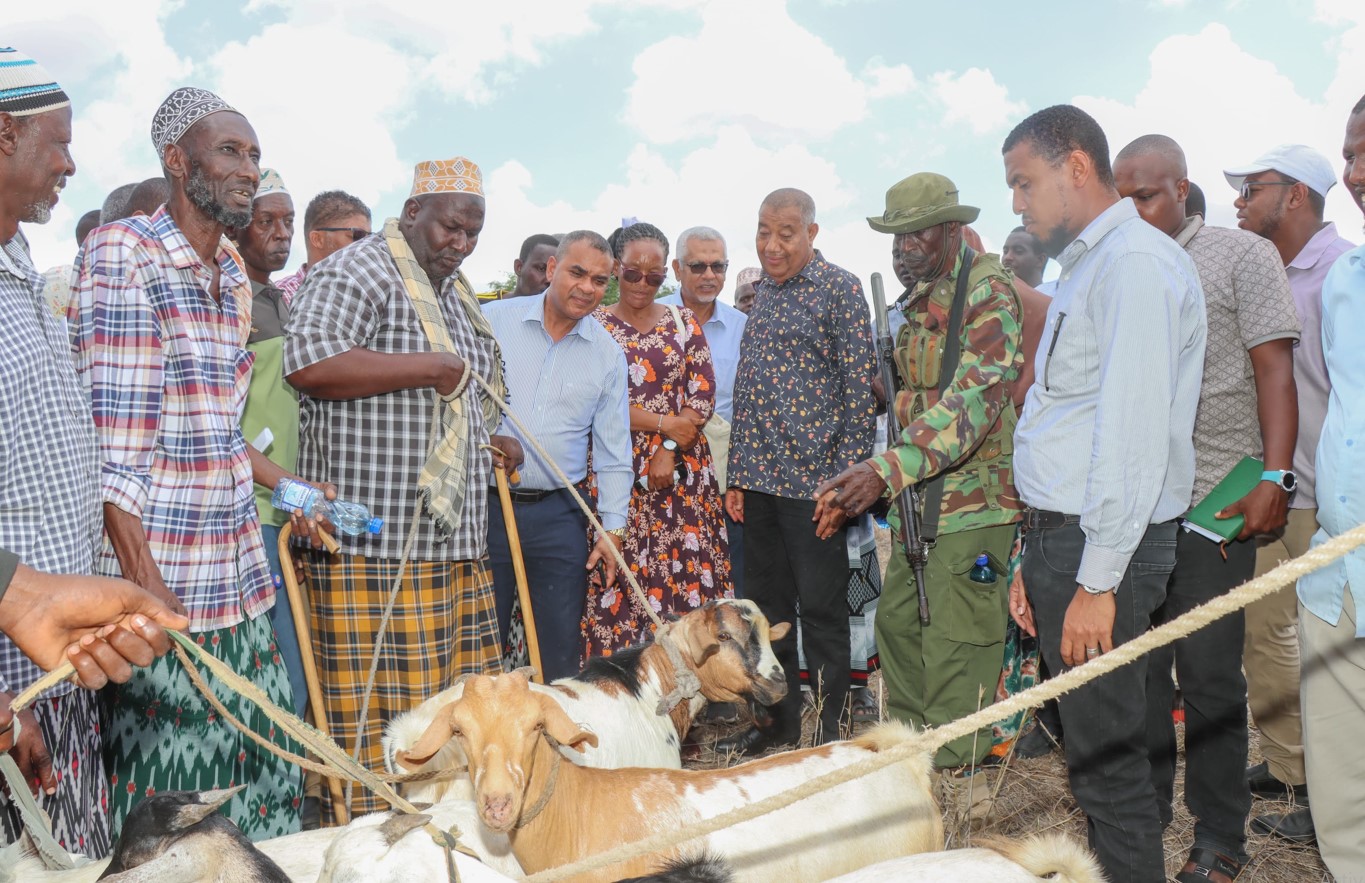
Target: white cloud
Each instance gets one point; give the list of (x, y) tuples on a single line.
[(888, 81), (1228, 126), (975, 98)]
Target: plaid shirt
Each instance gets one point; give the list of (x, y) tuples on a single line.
[(373, 448), (167, 370), (49, 488), (290, 285)]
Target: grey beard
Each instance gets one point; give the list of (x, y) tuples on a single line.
[(201, 197), (37, 213)]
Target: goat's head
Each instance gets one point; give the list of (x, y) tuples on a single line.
[(729, 644), (159, 820), (500, 723)]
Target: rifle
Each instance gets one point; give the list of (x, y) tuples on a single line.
[(908, 500)]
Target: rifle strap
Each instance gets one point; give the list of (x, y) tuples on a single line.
[(952, 354)]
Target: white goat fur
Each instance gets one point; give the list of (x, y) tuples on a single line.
[(629, 729), (1048, 858)]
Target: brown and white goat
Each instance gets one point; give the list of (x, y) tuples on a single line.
[(555, 812), (632, 700)]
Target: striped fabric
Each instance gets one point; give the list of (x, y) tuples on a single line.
[(26, 88), (443, 625), (167, 370)]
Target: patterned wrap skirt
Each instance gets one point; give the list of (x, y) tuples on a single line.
[(165, 736), (444, 625), (1019, 671), (73, 730)]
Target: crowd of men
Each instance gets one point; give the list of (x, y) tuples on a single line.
[(147, 424)]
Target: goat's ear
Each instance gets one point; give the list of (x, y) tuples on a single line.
[(190, 814), (400, 824), (779, 631), (561, 728), (431, 741)]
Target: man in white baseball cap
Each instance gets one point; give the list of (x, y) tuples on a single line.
[(1281, 197)]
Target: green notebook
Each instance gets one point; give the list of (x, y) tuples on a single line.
[(1234, 486)]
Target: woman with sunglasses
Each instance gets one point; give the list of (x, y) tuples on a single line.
[(675, 540)]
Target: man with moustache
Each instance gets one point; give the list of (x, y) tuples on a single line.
[(569, 382), (700, 267), (333, 220), (1282, 197), (161, 314), (381, 333), (804, 411), (936, 673), (1104, 461), (1247, 408)]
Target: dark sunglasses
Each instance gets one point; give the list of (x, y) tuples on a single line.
[(1249, 188), (357, 233), (717, 267), (653, 280)]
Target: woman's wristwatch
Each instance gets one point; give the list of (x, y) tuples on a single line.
[(669, 445), (1285, 479)]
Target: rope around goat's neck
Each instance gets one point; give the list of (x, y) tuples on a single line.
[(529, 816)]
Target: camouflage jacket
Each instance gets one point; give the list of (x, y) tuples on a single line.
[(967, 434)]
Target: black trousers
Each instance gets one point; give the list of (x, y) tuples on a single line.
[(785, 563), (1105, 720), (554, 545), (1209, 666)]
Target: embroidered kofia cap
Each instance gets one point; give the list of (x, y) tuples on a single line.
[(271, 182), (457, 175), (26, 88), (183, 108), (750, 275)]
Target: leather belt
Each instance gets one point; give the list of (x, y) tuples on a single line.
[(1042, 519), (526, 496)]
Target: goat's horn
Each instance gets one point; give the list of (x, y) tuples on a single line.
[(399, 825)]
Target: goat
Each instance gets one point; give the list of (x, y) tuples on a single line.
[(1054, 858), (555, 812), (631, 700), (394, 848)]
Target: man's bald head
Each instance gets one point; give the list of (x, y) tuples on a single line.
[(1151, 171), (788, 198)]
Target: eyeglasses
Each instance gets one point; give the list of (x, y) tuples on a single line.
[(653, 280), (1247, 186), (357, 233), (717, 267)]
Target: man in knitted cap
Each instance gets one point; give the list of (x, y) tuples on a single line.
[(164, 313), (957, 357), (381, 333)]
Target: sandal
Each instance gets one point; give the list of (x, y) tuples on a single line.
[(1207, 866)]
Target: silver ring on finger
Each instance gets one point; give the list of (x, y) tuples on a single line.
[(1092, 651)]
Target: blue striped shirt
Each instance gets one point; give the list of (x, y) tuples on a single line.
[(566, 391), (1108, 425)]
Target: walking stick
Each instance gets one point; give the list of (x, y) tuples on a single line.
[(519, 568), (340, 810)]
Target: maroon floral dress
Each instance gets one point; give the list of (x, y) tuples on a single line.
[(675, 542)]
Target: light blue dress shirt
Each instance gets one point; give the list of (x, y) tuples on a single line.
[(723, 332), (1107, 429), (1340, 464), (566, 391)]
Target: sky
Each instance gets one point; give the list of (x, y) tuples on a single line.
[(687, 112)]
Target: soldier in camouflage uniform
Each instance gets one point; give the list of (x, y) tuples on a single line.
[(938, 673)]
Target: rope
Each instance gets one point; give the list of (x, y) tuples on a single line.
[(931, 740)]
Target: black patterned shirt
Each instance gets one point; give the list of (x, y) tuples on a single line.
[(804, 410)]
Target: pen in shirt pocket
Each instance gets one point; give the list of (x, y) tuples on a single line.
[(1047, 365)]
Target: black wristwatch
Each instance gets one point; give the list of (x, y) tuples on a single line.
[(670, 445)]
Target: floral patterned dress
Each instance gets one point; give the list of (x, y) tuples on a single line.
[(675, 542)]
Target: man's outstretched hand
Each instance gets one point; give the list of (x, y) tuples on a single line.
[(104, 626)]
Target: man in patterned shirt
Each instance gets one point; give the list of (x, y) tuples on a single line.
[(1248, 407), (804, 412), (935, 673), (378, 335), (161, 314)]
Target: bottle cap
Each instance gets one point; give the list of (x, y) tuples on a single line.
[(375, 525), (983, 560)]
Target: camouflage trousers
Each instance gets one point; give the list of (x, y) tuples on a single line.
[(938, 673)]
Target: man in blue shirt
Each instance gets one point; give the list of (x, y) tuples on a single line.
[(1331, 633), (566, 381), (701, 265)]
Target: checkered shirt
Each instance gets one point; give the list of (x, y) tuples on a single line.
[(373, 448), (49, 487), (167, 368)]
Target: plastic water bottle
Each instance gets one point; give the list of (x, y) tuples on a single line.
[(981, 571), (350, 518)]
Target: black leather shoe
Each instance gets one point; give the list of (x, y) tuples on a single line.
[(1296, 826), (754, 742), (1037, 742), (1263, 784)]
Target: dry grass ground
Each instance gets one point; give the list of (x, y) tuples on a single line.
[(1032, 797)]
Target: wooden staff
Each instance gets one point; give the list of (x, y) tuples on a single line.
[(519, 568), (340, 810)]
